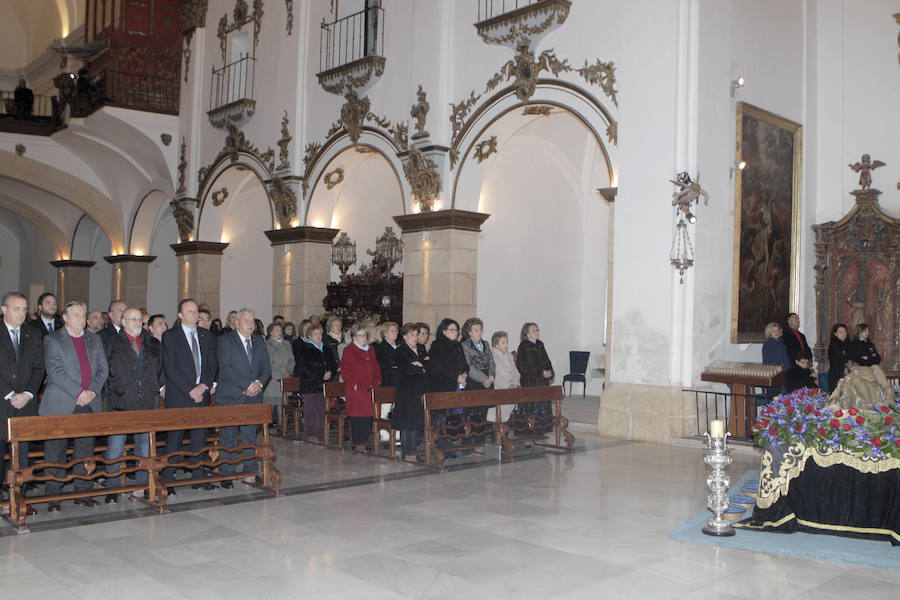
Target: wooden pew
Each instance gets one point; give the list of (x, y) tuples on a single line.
[(291, 407), (517, 430), (30, 429), (334, 414), (382, 396)]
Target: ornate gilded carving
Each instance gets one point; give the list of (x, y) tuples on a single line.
[(182, 167), (612, 133), (20, 149), (219, 197), (193, 15), (165, 138), (353, 113), (525, 23), (358, 76), (310, 153), (283, 143), (537, 110), (241, 16), (864, 167), (238, 111), (424, 179), (485, 148), (459, 112), (602, 74), (184, 220), (187, 58), (235, 143), (334, 177), (285, 201), (289, 21), (419, 112)]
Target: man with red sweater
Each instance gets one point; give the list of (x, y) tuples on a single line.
[(794, 339)]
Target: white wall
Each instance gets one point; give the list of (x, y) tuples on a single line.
[(9, 261), (162, 274), (34, 260)]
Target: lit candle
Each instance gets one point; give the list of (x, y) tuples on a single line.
[(717, 429)]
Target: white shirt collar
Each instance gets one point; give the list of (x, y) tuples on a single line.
[(10, 328), (243, 339), (188, 331)]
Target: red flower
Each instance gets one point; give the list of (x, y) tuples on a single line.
[(839, 413), (876, 441), (759, 425), (818, 413), (822, 431), (860, 420), (897, 443), (853, 412), (798, 427), (885, 409), (889, 420), (847, 426), (773, 431), (835, 423), (808, 408)]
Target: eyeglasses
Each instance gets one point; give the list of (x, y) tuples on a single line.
[(452, 329), (361, 335)]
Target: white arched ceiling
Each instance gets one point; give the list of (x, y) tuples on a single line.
[(53, 216), (29, 27), (145, 220), (241, 183), (362, 205)]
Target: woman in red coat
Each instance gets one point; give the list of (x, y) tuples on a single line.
[(361, 373)]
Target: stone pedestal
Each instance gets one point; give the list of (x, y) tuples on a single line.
[(200, 272), (440, 265), (647, 412), (301, 270), (129, 278), (73, 280)]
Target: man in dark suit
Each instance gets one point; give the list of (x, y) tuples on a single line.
[(21, 372), (114, 329), (47, 321), (794, 339), (134, 381), (76, 372), (189, 369), (244, 371)]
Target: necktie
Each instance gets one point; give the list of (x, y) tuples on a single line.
[(249, 351), (195, 350), (15, 341), (50, 326)]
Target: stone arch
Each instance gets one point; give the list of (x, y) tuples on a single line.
[(144, 222), (563, 95), (39, 220), (236, 177), (242, 160), (370, 137), (86, 197)]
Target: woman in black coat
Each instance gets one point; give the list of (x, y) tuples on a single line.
[(447, 366), (412, 382), (386, 352), (313, 365), (838, 350), (534, 366)]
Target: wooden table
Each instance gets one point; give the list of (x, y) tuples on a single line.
[(743, 401)]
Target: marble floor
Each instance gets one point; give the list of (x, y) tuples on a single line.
[(588, 525)]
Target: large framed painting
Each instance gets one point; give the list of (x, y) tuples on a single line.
[(766, 222)]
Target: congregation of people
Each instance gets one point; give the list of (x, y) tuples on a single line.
[(788, 347), (75, 361)]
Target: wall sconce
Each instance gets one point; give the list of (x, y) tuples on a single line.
[(738, 165), (736, 83)]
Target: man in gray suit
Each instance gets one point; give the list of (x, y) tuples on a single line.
[(76, 371), (244, 371)]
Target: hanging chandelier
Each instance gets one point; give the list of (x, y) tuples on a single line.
[(343, 253)]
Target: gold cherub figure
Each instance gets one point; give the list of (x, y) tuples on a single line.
[(864, 167)]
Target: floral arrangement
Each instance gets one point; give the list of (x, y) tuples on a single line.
[(801, 417)]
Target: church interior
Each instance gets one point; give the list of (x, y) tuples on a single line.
[(654, 183)]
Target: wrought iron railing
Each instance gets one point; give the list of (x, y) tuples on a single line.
[(713, 406), (232, 82), (140, 92), (351, 38), (41, 110), (488, 9)]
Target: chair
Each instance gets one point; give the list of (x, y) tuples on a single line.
[(291, 407), (578, 362), (334, 414)]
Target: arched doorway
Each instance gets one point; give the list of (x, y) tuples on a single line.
[(90, 242)]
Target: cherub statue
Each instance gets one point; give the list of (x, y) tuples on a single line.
[(864, 167), (689, 191)]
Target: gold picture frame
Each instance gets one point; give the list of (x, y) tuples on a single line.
[(767, 212)]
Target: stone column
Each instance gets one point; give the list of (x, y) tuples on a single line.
[(301, 270), (73, 280), (200, 272), (129, 278), (440, 264)]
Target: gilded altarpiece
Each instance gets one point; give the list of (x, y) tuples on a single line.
[(858, 276)]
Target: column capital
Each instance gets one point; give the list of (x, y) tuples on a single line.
[(59, 264), (462, 220), (199, 248), (294, 235), (122, 258)]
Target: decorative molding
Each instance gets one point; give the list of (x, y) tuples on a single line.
[(62, 264), (293, 235), (358, 75), (602, 74), (419, 112), (219, 197), (235, 143), (527, 24), (537, 110), (363, 150), (187, 248), (126, 258), (353, 113), (289, 21), (20, 149), (165, 138), (485, 148), (238, 112), (423, 177), (612, 133), (608, 194), (462, 220), (182, 167), (184, 219), (285, 201), (193, 15), (283, 143), (334, 177), (241, 16)]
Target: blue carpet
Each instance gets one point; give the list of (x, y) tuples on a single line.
[(879, 555)]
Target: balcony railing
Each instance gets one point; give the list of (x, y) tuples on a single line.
[(233, 82), (139, 92), (488, 9), (41, 110), (352, 38)]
